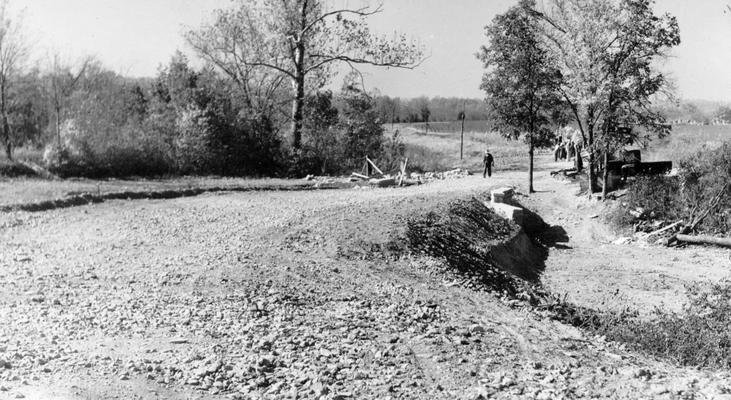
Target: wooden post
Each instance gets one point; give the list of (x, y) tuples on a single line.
[(462, 117)]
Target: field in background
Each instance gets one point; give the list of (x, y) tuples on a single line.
[(686, 140), (439, 149)]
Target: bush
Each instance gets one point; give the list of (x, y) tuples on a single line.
[(361, 132), (705, 175), (12, 169), (697, 336), (701, 178), (339, 132), (393, 152), (658, 196), (190, 123)]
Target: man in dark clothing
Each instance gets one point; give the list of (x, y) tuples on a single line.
[(488, 161)]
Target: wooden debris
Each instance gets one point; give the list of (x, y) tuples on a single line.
[(569, 172), (711, 206), (382, 183), (667, 228), (368, 160), (402, 174), (360, 176), (703, 239)]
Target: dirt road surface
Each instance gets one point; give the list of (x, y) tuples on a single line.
[(297, 295)]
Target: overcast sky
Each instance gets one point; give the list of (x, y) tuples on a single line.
[(135, 37)]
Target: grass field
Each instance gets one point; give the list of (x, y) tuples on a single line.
[(686, 140), (440, 148)]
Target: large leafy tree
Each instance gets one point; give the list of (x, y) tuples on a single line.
[(61, 83), (260, 44), (520, 82), (606, 52), (13, 53)]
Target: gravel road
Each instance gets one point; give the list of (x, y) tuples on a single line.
[(283, 295)]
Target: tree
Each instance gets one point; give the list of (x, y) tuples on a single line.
[(361, 130), (62, 82), (28, 111), (13, 52), (297, 40), (425, 113), (388, 108), (321, 117), (520, 83), (605, 51), (723, 114)]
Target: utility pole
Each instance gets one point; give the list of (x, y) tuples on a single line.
[(461, 138)]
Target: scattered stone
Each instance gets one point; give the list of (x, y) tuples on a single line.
[(657, 389), (477, 329)]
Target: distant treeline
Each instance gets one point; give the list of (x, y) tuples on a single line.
[(695, 111), (444, 109), (424, 109)]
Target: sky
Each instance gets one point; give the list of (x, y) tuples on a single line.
[(135, 37)]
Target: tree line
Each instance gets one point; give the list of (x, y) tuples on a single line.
[(426, 109), (258, 106)]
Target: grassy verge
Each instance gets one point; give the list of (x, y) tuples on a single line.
[(697, 336)]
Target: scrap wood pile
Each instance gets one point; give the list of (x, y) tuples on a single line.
[(672, 233), (565, 173), (377, 178)]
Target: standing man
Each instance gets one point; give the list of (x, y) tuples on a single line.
[(488, 161)]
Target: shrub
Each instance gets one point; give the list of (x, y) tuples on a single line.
[(702, 177), (339, 132), (424, 159), (658, 196), (705, 175), (697, 336), (360, 129), (12, 169), (393, 152)]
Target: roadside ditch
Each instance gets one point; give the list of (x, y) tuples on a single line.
[(496, 255)]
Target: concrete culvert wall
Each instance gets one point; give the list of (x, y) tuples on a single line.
[(473, 239)]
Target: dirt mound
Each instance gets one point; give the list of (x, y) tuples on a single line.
[(474, 240)]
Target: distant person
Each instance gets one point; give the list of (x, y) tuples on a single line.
[(488, 161), (579, 163), (570, 150)]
